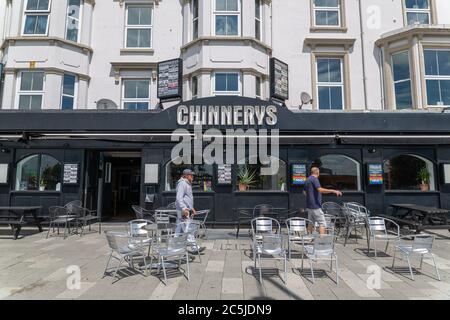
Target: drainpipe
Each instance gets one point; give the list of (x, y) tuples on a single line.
[(363, 55)]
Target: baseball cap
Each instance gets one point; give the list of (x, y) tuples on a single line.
[(188, 171)]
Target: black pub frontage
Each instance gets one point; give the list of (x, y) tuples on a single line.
[(112, 159)]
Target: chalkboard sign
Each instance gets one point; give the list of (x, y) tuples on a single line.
[(279, 79), (375, 173), (224, 174), (298, 174), (170, 79), (70, 173)]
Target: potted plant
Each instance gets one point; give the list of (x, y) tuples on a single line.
[(42, 184), (246, 178), (424, 178), (281, 184)]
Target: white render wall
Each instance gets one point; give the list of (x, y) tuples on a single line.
[(102, 64)]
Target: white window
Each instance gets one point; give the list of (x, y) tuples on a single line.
[(227, 83), (227, 15), (402, 80), (194, 87), (68, 92), (437, 76), (330, 84), (136, 94), (417, 11), (258, 15), (139, 22), (194, 19), (73, 20), (258, 87), (327, 13), (36, 16), (31, 90)]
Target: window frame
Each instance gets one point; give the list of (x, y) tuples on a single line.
[(136, 100), (75, 91), (80, 20), (27, 13), (192, 166), (258, 86), (339, 9), (433, 77), (227, 13), (359, 180), (428, 11), (39, 169), (259, 20), (194, 96), (195, 19), (20, 92), (131, 27), (330, 84), (394, 82), (230, 93)]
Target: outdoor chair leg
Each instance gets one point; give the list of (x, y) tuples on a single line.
[(187, 266), (49, 228), (260, 272), (387, 245), (285, 269), (331, 264), (421, 261), (164, 270), (375, 247), (393, 260), (435, 266), (337, 270), (65, 228), (312, 269), (289, 249), (117, 268), (410, 268), (107, 264), (145, 263)]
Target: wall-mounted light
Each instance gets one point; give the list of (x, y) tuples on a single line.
[(372, 150), (154, 75)]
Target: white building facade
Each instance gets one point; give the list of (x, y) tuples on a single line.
[(347, 54)]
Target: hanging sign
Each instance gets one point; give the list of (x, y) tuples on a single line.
[(70, 173), (170, 79), (279, 79)]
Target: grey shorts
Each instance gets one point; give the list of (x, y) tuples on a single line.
[(316, 216)]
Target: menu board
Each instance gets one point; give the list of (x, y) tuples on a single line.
[(170, 79), (375, 174), (224, 174), (298, 174), (71, 173), (279, 79)]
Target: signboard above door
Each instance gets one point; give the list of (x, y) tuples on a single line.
[(170, 80), (279, 80)]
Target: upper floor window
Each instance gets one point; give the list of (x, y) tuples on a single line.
[(402, 80), (31, 90), (226, 83), (73, 20), (38, 172), (327, 13), (330, 84), (417, 11), (227, 17), (136, 94), (258, 15), (339, 172), (194, 19), (437, 76), (68, 92), (36, 16), (139, 26), (258, 87), (194, 87)]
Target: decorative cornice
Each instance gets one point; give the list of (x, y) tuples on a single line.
[(121, 2), (49, 70), (206, 40), (252, 71), (322, 42), (50, 40), (413, 31)]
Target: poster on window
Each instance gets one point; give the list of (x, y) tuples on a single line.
[(224, 174), (279, 79), (375, 174), (70, 173), (4, 173), (298, 174), (170, 80)]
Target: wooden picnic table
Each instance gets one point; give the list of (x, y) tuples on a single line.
[(420, 217), (18, 215)]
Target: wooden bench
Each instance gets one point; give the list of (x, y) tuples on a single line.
[(16, 217), (14, 222)]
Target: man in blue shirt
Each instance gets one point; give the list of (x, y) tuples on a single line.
[(314, 191)]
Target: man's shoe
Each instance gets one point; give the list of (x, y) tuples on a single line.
[(201, 249)]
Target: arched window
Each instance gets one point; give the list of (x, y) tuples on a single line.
[(273, 182), (38, 172), (409, 172), (202, 180), (339, 172)]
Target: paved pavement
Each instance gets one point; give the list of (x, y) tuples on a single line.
[(34, 267)]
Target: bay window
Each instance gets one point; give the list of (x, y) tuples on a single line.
[(31, 90), (402, 80), (227, 15), (437, 76), (226, 83), (36, 17), (330, 84), (136, 94), (139, 26), (73, 20)]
